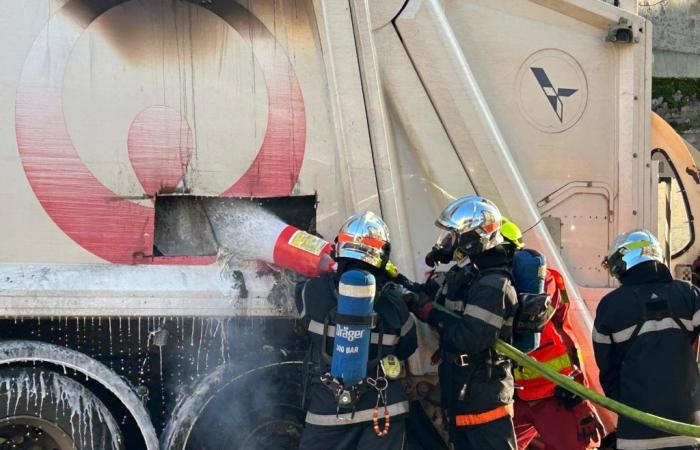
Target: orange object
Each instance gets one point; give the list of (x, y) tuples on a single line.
[(557, 349), (302, 252), (374, 243), (465, 420), (387, 421), (552, 352)]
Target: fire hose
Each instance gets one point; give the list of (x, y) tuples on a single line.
[(650, 420)]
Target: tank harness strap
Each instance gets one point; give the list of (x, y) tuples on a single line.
[(348, 396), (657, 308), (371, 320), (345, 397), (345, 319), (306, 370)]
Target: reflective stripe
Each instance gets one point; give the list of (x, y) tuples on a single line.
[(688, 324), (557, 364), (387, 339), (360, 416), (509, 322), (362, 291), (408, 325), (623, 335), (466, 420), (600, 338), (649, 326), (696, 319), (454, 305), (650, 444), (486, 316), (658, 325)]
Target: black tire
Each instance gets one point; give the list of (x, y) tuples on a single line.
[(235, 409), (262, 413), (42, 409)]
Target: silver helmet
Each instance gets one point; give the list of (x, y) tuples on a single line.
[(471, 225), (630, 249), (365, 237)]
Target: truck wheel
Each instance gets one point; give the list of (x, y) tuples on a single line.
[(239, 409), (43, 410)]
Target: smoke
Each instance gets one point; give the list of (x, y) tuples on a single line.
[(250, 402)]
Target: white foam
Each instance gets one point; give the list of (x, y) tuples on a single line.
[(248, 233)]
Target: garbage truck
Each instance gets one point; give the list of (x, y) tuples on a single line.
[(163, 160)]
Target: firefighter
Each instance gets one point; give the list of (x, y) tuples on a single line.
[(476, 383), (562, 420), (361, 244), (643, 339)]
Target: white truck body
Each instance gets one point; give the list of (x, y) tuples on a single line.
[(386, 105)]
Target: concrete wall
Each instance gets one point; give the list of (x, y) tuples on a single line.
[(676, 67), (683, 116), (676, 37)]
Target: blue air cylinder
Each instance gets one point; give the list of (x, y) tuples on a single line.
[(353, 326), (529, 271)]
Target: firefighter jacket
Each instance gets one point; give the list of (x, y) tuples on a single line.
[(394, 334), (557, 349), (643, 341), (474, 378)]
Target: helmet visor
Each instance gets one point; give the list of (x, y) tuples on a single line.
[(447, 240)]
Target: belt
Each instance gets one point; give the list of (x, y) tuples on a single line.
[(465, 420), (465, 360), (364, 415)]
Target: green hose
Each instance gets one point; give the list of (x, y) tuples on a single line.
[(650, 420)]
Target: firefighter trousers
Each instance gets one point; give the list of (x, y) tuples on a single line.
[(496, 435), (557, 426), (359, 436)]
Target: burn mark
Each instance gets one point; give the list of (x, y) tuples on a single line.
[(238, 277)]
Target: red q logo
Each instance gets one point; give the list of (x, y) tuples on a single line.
[(159, 141)]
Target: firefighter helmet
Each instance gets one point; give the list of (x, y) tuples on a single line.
[(511, 233), (365, 237), (471, 225), (630, 249)]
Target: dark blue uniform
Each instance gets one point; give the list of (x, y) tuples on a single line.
[(473, 378), (328, 427), (643, 342)]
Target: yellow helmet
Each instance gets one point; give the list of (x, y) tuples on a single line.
[(511, 233)]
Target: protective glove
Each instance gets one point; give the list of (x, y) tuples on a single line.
[(421, 307), (393, 272), (438, 255), (391, 269), (590, 429)]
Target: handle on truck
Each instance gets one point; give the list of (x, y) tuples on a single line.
[(650, 420)]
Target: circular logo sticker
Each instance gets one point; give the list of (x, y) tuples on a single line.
[(552, 90), (160, 141)]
